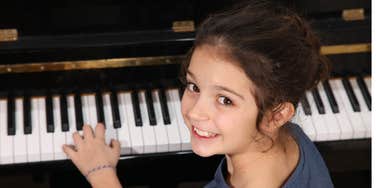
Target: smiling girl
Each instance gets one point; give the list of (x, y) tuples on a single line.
[(244, 77)]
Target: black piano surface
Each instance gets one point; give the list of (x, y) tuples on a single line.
[(50, 31)]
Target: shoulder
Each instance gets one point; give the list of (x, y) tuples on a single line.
[(311, 170), (219, 180)]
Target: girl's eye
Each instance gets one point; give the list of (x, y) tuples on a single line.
[(192, 87), (224, 100)]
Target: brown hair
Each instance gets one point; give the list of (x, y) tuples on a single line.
[(275, 47)]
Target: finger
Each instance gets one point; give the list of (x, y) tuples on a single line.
[(88, 132), (77, 139), (115, 146), (100, 131), (69, 151)]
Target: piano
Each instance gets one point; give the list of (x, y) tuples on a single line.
[(65, 64)]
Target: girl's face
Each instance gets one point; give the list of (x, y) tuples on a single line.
[(218, 106)]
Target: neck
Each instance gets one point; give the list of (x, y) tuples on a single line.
[(261, 169)]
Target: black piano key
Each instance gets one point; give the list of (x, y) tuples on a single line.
[(11, 106), (136, 108), (64, 113), (49, 114), (365, 92), (27, 115), (318, 101), (78, 111), (115, 110), (331, 98), (150, 108), (350, 94), (163, 102), (305, 105), (99, 106)]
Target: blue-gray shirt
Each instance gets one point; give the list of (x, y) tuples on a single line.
[(310, 171)]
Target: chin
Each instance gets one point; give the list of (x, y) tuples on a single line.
[(202, 151), (203, 154)]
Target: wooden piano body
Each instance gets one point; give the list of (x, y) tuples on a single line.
[(83, 49)]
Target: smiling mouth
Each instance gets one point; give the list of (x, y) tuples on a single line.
[(202, 133)]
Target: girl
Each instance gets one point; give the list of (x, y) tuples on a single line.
[(244, 77)]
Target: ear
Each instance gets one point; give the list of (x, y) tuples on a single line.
[(278, 117)]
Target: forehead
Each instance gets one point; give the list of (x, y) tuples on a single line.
[(211, 66)]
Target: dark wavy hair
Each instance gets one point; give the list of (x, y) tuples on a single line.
[(276, 48)]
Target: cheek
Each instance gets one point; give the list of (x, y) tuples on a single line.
[(236, 124), (186, 105)]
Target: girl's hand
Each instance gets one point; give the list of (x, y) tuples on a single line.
[(91, 151)]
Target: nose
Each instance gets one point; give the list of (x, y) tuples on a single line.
[(199, 110)]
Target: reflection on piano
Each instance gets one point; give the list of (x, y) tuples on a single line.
[(62, 67)]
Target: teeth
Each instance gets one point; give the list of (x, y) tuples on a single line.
[(203, 133)]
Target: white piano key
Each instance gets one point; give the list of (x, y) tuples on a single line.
[(33, 139), (355, 119), (71, 120), (92, 108), (46, 138), (59, 135), (85, 110), (305, 121), (121, 134), (334, 130), (364, 112), (347, 130), (183, 130), (321, 128), (172, 129), (160, 129), (150, 144), (111, 132), (367, 80), (20, 150), (6, 142), (134, 131)]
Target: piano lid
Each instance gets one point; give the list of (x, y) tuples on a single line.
[(43, 31), (92, 29), (51, 18)]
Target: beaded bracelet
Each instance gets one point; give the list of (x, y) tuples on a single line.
[(100, 167)]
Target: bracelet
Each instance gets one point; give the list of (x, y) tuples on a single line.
[(100, 167)]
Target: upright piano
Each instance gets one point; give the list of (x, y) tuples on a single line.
[(66, 63)]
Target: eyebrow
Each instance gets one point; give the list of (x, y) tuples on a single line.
[(191, 74), (218, 87), (228, 90)]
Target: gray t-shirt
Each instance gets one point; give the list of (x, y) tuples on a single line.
[(311, 171)]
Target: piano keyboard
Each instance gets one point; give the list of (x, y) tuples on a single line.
[(338, 109), (34, 128)]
